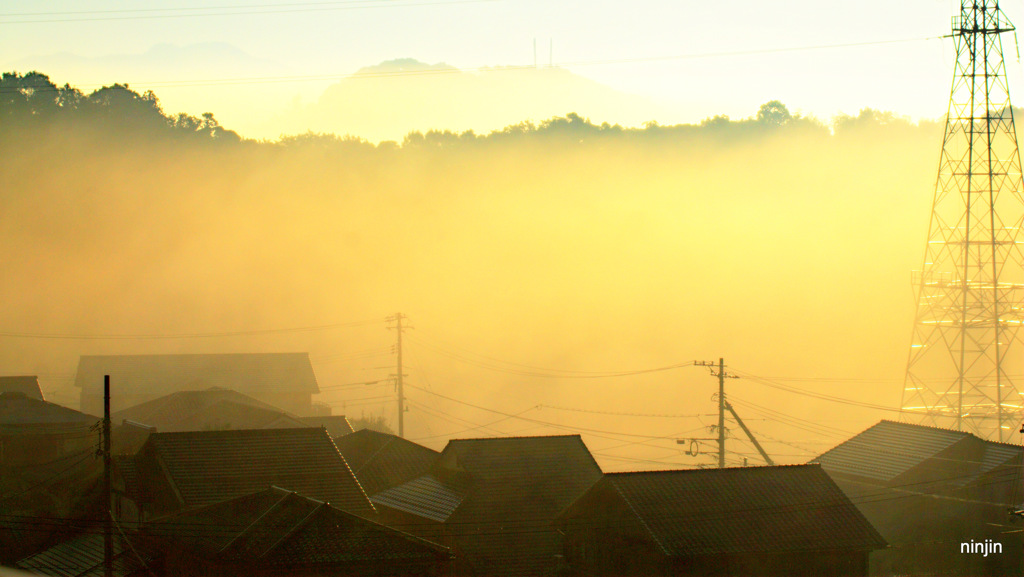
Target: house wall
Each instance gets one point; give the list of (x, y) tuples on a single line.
[(38, 447), (604, 537)]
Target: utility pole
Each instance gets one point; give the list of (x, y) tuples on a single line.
[(398, 377), (108, 530), (723, 406), (721, 413)]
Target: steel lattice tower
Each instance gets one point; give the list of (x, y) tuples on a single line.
[(967, 355)]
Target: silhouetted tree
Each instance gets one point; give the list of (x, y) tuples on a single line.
[(774, 114)]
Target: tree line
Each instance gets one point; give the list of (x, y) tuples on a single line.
[(32, 102)]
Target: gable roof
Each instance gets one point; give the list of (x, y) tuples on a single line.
[(381, 461), (29, 385), (205, 467), (276, 527), (336, 425), (514, 488), (213, 408), (160, 374), (531, 477), (889, 449), (740, 510), (503, 457), (18, 410)]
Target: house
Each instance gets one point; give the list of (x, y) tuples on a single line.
[(786, 521), (27, 385), (34, 432), (928, 490), (175, 471), (48, 467), (278, 532), (282, 380), (494, 501), (381, 461)]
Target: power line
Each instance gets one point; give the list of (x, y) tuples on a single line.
[(622, 414), (538, 421), (478, 427), (701, 55), (243, 10), (821, 396), (152, 336), (495, 365)]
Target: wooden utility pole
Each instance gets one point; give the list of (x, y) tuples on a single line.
[(108, 530), (721, 413), (724, 406)]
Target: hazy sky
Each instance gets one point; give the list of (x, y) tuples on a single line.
[(836, 315), (648, 48)]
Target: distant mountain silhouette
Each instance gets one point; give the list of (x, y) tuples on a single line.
[(390, 99)]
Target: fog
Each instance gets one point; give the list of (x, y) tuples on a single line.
[(786, 249)]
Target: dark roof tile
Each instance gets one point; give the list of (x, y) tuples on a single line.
[(275, 527), (82, 556), (888, 449), (17, 409), (381, 461), (739, 510), (211, 466)]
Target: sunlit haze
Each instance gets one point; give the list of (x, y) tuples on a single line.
[(534, 266)]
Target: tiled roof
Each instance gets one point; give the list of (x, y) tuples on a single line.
[(210, 466), (29, 385), (275, 527), (425, 497), (17, 409), (336, 425), (888, 449), (739, 510), (516, 486), (381, 461), (82, 556), (162, 373)]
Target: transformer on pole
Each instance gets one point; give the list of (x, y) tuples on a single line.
[(966, 363)]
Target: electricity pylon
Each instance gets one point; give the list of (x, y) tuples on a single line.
[(966, 360)]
